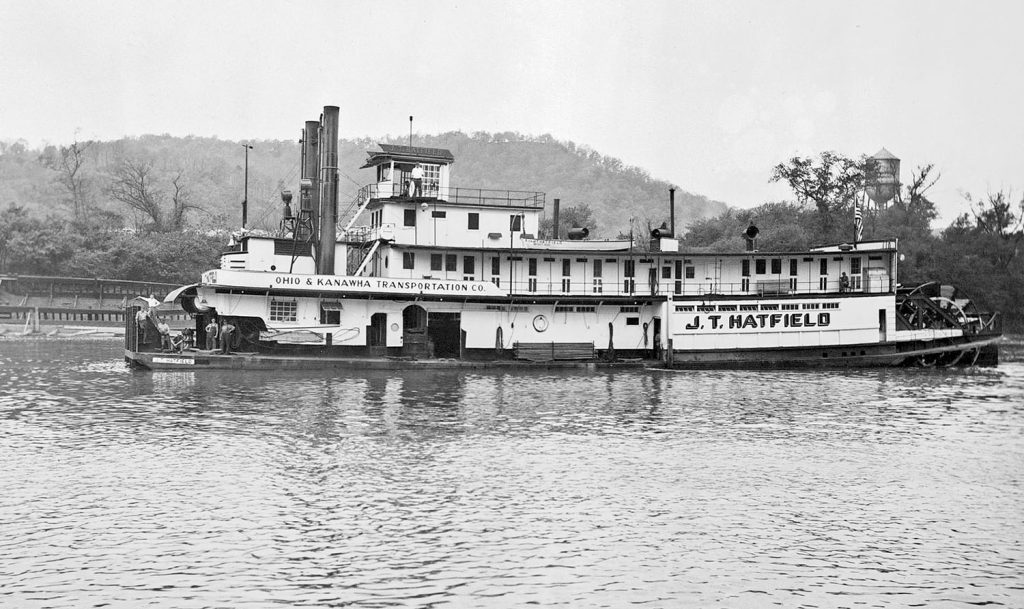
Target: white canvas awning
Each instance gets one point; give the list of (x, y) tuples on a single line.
[(179, 292)]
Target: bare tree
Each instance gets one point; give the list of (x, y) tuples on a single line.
[(921, 182), (72, 159), (181, 200), (134, 186)]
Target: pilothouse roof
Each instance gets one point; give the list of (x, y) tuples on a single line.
[(407, 154)]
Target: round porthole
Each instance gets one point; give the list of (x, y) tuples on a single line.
[(394, 327), (540, 323)]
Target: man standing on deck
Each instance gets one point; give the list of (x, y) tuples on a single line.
[(142, 321), (417, 180), (211, 334), (226, 334)]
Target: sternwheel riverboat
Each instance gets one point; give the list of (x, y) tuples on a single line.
[(427, 274)]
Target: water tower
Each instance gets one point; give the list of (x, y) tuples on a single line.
[(882, 178)]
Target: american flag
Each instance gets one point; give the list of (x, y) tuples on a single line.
[(858, 223)]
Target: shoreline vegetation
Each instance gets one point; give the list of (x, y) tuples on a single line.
[(160, 208)]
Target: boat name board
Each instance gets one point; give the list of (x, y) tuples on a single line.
[(760, 321), (334, 283), (178, 361)]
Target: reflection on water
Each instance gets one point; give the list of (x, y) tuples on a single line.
[(482, 489)]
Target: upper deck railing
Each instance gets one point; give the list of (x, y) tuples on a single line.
[(459, 196)]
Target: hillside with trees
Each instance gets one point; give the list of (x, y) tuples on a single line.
[(159, 183)]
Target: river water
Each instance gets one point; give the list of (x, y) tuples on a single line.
[(871, 488)]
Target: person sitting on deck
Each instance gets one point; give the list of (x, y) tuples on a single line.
[(844, 283)]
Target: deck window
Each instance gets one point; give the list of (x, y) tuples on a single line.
[(629, 268), (566, 267), (855, 266), (469, 265), (824, 266), (598, 269), (435, 262), (690, 272), (760, 266), (776, 266), (532, 266), (451, 262), (474, 221), (410, 217), (792, 267), (745, 268), (408, 260), (495, 266)]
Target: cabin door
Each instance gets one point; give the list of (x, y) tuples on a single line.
[(378, 330), (882, 324), (415, 342), (445, 332)]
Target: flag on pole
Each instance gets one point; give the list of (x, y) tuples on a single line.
[(858, 223)]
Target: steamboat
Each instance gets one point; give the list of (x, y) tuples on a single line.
[(426, 274)]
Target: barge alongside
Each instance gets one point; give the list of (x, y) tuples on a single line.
[(444, 276)]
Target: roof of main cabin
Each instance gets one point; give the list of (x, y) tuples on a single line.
[(406, 154)]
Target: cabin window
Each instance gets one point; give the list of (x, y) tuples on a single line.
[(776, 266), (566, 267), (629, 269), (745, 268), (679, 269), (474, 221), (532, 266), (410, 217), (824, 266), (855, 266), (408, 260), (598, 268), (283, 310), (792, 267), (666, 272), (330, 312), (495, 266), (690, 272), (435, 262), (451, 262), (632, 321), (469, 265), (438, 214), (760, 266), (515, 223)]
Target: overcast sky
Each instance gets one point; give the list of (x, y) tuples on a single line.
[(707, 95)]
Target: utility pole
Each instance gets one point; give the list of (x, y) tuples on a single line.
[(245, 199)]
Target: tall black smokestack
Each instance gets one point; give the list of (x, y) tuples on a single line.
[(672, 210), (328, 190), (309, 197), (556, 218)]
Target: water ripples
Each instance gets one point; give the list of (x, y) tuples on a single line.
[(865, 488)]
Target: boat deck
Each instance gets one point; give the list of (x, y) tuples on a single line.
[(210, 360)]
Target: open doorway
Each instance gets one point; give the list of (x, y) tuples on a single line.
[(445, 332)]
